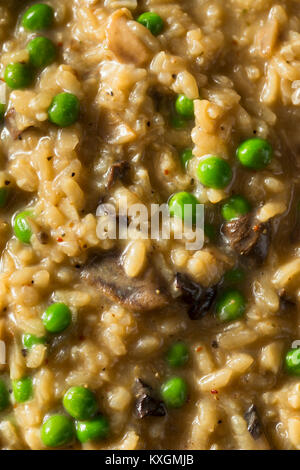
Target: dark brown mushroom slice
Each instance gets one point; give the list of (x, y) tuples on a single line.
[(253, 422), (139, 294), (286, 302), (248, 238), (117, 171), (199, 299), (146, 403)]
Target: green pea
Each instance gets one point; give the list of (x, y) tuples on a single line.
[(96, 428), (18, 75), (57, 318), (4, 396), (255, 153), (2, 112), (185, 156), (234, 207), (210, 231), (234, 275), (178, 354), (292, 361), (42, 52), (30, 340), (4, 192), (184, 107), (214, 172), (178, 122), (80, 403), (231, 305), (64, 109), (174, 392), (151, 21), (57, 431), (22, 389), (37, 17), (22, 228), (184, 206)]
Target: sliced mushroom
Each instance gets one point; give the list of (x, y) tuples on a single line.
[(117, 171), (146, 403), (144, 293), (287, 303), (253, 422), (248, 238), (199, 298), (122, 41)]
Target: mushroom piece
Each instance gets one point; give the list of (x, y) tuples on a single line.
[(248, 238), (140, 294), (117, 171), (253, 422), (146, 403), (255, 428), (287, 303), (122, 41), (199, 298)]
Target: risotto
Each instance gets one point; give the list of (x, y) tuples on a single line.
[(133, 342)]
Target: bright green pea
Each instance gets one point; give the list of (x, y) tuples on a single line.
[(18, 75), (234, 207), (174, 392), (57, 431), (214, 172), (234, 275), (151, 21), (42, 52), (292, 361), (184, 107), (210, 231), (22, 228), (57, 318), (2, 112), (22, 389), (37, 17), (4, 192), (64, 109), (178, 354), (230, 305), (185, 156), (30, 340), (80, 403), (184, 206), (4, 396), (96, 428), (255, 153)]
